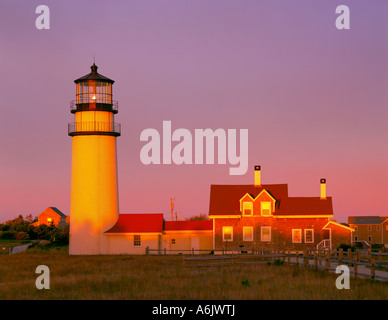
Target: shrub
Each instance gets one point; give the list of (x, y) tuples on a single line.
[(21, 235), (278, 262), (5, 227), (7, 235), (245, 283), (345, 247)]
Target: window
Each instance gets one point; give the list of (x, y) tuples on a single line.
[(266, 208), (369, 238), (386, 227), (49, 219), (266, 234), (137, 240), (248, 233), (309, 235), (247, 208), (356, 228), (296, 235), (172, 241), (355, 238), (378, 228), (369, 228), (227, 233)]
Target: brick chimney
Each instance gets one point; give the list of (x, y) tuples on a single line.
[(257, 176), (323, 189)]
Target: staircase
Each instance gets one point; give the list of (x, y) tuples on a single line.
[(324, 245)]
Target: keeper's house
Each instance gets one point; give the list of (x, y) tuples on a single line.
[(133, 233), (264, 216)]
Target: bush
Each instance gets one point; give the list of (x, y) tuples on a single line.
[(7, 235), (345, 247), (278, 262), (5, 227), (21, 235)]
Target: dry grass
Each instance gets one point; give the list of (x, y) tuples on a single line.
[(163, 277)]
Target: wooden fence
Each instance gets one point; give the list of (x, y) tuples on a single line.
[(363, 264)]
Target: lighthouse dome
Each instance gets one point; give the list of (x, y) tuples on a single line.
[(94, 75)]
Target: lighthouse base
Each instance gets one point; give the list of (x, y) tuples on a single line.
[(94, 193)]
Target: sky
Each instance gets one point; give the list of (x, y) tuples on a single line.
[(313, 98)]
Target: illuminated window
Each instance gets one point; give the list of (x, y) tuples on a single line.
[(137, 240), (386, 227), (49, 219), (309, 235), (247, 208), (296, 235), (266, 208), (248, 233), (227, 233), (265, 234)]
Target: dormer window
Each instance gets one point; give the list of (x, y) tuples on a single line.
[(266, 208), (247, 208)]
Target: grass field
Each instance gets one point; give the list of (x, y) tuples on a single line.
[(163, 277)]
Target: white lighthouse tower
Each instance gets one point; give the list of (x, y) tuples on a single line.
[(94, 188)]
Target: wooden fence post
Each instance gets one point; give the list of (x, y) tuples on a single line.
[(327, 262), (147, 250), (319, 256), (357, 255), (165, 251), (349, 254), (340, 255), (381, 256), (372, 268), (288, 256), (315, 260), (305, 257), (355, 267), (297, 257)]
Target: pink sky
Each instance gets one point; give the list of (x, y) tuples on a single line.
[(314, 98)]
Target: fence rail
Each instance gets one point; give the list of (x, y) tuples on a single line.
[(318, 259)]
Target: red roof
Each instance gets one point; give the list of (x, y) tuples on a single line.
[(138, 223), (193, 225), (224, 200)]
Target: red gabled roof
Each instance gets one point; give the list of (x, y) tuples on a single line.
[(225, 200), (138, 223), (305, 206), (194, 225)]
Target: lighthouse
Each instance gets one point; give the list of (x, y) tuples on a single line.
[(94, 185)]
